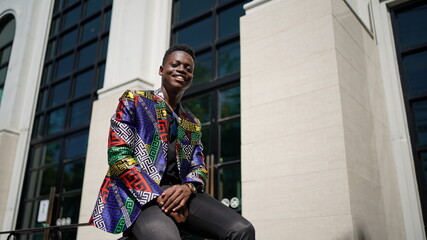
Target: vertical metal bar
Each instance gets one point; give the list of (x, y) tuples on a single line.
[(50, 212)]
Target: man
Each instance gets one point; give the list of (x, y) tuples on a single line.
[(154, 188)]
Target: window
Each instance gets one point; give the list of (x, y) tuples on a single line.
[(211, 27), (72, 73), (7, 32), (410, 32)]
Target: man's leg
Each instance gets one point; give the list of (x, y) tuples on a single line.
[(152, 223), (209, 218)]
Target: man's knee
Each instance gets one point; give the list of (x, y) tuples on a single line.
[(242, 230)]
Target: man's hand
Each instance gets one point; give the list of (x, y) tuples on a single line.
[(181, 215), (174, 198)]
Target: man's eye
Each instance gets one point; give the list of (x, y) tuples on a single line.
[(174, 65), (189, 70)]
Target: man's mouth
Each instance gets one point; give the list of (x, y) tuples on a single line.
[(180, 77)]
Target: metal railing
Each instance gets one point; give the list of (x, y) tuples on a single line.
[(50, 233)]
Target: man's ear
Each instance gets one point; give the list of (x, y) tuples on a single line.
[(161, 70)]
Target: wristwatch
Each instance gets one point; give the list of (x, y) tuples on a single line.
[(192, 187)]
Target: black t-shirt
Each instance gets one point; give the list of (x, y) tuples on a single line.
[(171, 174)]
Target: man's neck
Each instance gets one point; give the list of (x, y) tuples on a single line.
[(172, 99)]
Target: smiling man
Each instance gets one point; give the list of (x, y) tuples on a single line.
[(154, 188)]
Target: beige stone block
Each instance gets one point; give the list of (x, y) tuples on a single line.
[(315, 72), (8, 144), (338, 227), (282, 15), (317, 194), (291, 116), (309, 152), (348, 21), (367, 208), (288, 48), (92, 233)]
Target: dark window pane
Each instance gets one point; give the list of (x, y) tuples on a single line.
[(48, 180), (92, 6), (54, 28), (91, 29), (230, 141), (32, 187), (104, 47), (80, 112), (51, 50), (107, 21), (37, 157), (68, 41), (230, 102), (56, 121), (26, 219), (200, 107), (42, 100), (185, 9), (5, 55), (70, 207), (424, 166), (7, 31), (3, 72), (203, 31), (72, 17), (70, 2), (47, 74), (230, 186), (416, 72), (76, 146), (206, 140), (87, 55), (101, 73), (38, 129), (60, 93), (420, 115), (53, 153), (229, 59), (83, 83), (412, 26), (203, 71), (73, 176), (64, 66), (229, 21), (1, 92)]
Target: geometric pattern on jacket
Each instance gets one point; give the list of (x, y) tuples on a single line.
[(137, 154)]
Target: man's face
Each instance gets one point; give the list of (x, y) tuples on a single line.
[(177, 71)]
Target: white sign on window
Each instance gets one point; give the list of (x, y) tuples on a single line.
[(43, 209)]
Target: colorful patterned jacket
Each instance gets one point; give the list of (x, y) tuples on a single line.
[(137, 148)]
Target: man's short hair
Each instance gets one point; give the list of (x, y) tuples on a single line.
[(179, 47)]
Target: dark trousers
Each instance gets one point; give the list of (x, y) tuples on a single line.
[(207, 218)]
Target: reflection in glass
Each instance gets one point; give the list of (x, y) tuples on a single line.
[(203, 71), (424, 166), (230, 186), (70, 208), (76, 146), (229, 21), (32, 187), (7, 30), (68, 41), (37, 156), (90, 29), (412, 24), (92, 6), (80, 112), (51, 50), (5, 55), (73, 176), (416, 72), (52, 153), (203, 31), (56, 121), (83, 83), (47, 74), (230, 141), (107, 21), (3, 72), (87, 55), (200, 107), (71, 17), (104, 47), (229, 59), (101, 72), (64, 66), (420, 115), (60, 93), (48, 180), (230, 102), (185, 9)]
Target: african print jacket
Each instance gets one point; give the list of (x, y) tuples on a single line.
[(137, 148)]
